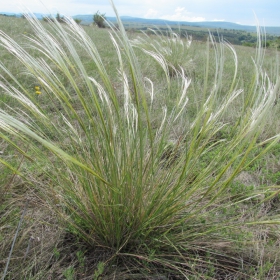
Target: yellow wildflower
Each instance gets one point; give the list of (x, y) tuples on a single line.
[(37, 90)]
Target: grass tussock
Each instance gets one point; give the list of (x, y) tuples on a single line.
[(141, 188)]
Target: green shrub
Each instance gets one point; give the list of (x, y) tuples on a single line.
[(99, 19), (78, 21), (50, 18)]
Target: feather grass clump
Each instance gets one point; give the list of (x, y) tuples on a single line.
[(112, 178)]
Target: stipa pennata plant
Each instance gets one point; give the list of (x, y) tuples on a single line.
[(172, 48), (147, 192)]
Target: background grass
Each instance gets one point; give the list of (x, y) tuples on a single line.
[(121, 207)]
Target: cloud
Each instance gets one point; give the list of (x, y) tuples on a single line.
[(151, 13), (179, 10), (181, 14)]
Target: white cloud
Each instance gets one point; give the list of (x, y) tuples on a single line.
[(151, 13), (179, 10), (182, 15), (218, 19)]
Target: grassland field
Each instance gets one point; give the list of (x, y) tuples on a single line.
[(228, 224)]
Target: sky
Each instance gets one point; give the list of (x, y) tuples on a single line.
[(246, 12)]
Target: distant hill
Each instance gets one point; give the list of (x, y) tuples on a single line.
[(37, 15), (88, 19)]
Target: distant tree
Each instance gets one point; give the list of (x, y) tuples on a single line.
[(99, 19), (59, 18), (78, 20), (50, 18)]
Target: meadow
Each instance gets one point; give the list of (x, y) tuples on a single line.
[(136, 156)]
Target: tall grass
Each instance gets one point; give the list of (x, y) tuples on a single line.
[(155, 192), (169, 49)]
